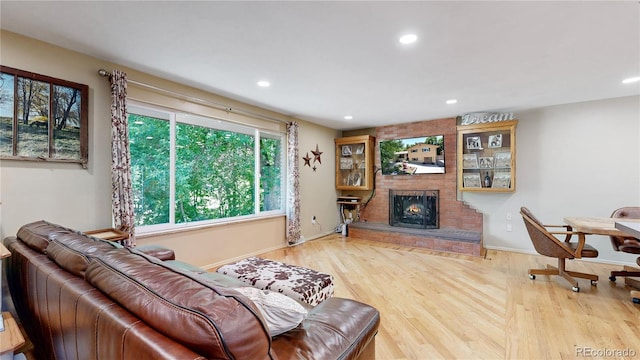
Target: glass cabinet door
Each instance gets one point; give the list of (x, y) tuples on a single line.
[(486, 157), (354, 163)]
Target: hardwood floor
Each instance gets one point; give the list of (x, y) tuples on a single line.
[(447, 306)]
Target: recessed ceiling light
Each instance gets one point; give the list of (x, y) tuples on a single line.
[(451, 101), (631, 80), (264, 83), (408, 39), (348, 117)]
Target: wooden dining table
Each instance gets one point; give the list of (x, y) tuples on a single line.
[(609, 227), (629, 227), (598, 225)]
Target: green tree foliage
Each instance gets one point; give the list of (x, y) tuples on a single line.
[(387, 154), (436, 140), (214, 174), (149, 147), (270, 170)]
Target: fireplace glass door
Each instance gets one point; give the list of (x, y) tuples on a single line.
[(413, 208)]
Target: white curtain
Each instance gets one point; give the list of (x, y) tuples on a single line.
[(122, 192), (293, 185)]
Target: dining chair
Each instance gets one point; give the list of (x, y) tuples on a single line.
[(627, 244), (546, 243)]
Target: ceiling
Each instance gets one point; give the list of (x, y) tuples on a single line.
[(325, 60)]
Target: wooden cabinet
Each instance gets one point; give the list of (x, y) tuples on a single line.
[(487, 157), (354, 163)]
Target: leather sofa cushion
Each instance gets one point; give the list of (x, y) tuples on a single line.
[(335, 329), (157, 251), (71, 250), (36, 234), (215, 322)]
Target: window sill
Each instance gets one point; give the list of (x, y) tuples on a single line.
[(217, 223)]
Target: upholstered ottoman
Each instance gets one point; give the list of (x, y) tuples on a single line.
[(296, 282)]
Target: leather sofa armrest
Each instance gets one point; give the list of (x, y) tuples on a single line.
[(157, 251), (317, 337)]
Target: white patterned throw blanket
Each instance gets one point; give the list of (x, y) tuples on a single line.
[(298, 283)]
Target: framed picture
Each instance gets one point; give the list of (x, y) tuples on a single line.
[(501, 180), (346, 163), (474, 143), (43, 118), (495, 141), (486, 162), (469, 161), (360, 149), (346, 150), (354, 179), (471, 181), (502, 159)]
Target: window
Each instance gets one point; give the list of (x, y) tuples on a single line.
[(191, 170)]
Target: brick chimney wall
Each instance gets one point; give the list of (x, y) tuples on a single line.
[(454, 214)]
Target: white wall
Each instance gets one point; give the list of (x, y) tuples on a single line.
[(578, 159), (80, 198), (318, 193), (59, 192)]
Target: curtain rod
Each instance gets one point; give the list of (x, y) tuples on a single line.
[(216, 105)]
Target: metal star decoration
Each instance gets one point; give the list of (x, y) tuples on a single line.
[(314, 168), (316, 155), (307, 160)]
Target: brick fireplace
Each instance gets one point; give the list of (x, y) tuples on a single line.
[(459, 227)]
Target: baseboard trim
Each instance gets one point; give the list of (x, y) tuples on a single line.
[(217, 264), (533, 252)]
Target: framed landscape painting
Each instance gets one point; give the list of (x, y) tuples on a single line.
[(42, 118)]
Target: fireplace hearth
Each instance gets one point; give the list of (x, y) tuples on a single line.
[(414, 208)]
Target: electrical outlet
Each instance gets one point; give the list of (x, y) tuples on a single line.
[(509, 227), (313, 220), (508, 216)]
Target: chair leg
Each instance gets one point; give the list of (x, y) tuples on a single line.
[(550, 270), (569, 275), (591, 277), (627, 271), (566, 274)]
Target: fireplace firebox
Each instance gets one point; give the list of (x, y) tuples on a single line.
[(414, 208)]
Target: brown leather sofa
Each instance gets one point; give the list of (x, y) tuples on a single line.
[(79, 297)]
